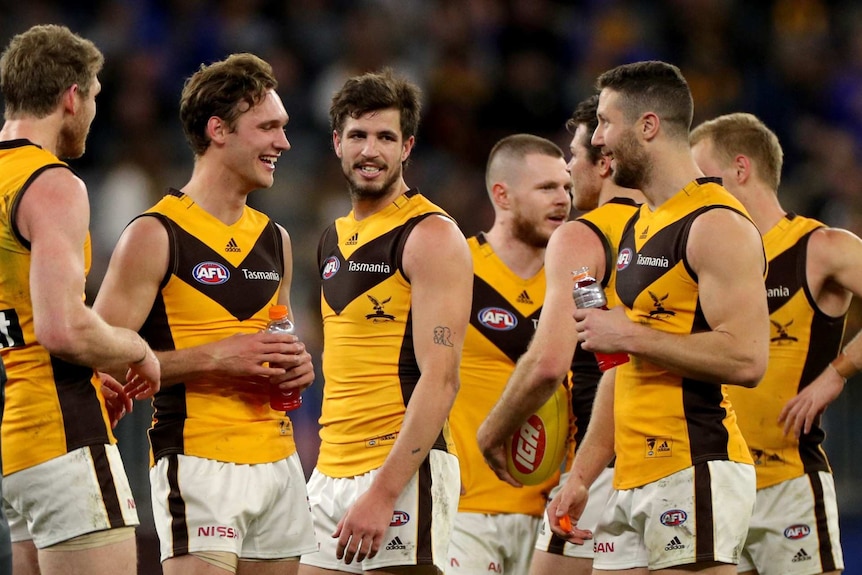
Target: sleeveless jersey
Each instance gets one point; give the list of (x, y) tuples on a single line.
[(52, 407), (803, 341), (369, 366), (664, 422), (607, 221), (503, 320), (221, 280)]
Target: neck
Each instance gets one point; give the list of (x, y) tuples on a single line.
[(217, 191), (763, 207), (44, 132), (523, 259), (364, 206), (610, 191), (673, 167)]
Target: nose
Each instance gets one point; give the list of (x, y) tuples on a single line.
[(369, 150), (598, 138), (282, 142)]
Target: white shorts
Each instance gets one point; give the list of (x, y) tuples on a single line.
[(699, 514), (421, 522), (80, 492), (600, 493), (255, 511), (500, 543), (794, 529)]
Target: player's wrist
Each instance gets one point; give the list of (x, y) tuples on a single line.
[(844, 366)]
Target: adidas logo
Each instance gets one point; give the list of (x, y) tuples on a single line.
[(352, 240), (644, 234), (674, 543), (801, 555), (231, 246), (524, 297), (395, 544)]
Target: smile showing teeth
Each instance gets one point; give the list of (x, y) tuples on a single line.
[(370, 169), (269, 160)]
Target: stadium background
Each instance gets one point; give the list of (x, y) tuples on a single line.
[(487, 68)]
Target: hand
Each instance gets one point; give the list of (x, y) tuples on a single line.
[(117, 402), (360, 531), (143, 378), (298, 372), (569, 503), (495, 456), (601, 330), (801, 412), (255, 356)]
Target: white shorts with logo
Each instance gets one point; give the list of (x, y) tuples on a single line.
[(600, 493), (794, 529), (699, 514), (484, 543), (421, 522), (80, 492), (255, 511)]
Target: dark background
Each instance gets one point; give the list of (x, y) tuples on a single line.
[(487, 68)]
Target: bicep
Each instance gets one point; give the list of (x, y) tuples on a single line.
[(440, 270), (133, 278)]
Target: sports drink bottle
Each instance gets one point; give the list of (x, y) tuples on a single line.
[(282, 399), (588, 293)]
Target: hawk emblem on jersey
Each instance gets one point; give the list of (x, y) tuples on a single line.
[(659, 306), (379, 314), (782, 337)]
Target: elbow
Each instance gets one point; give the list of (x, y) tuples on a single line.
[(751, 369), (59, 340)]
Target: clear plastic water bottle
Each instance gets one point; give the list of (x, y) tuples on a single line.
[(282, 399), (588, 293)]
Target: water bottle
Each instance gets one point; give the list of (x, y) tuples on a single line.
[(588, 293), (282, 399)]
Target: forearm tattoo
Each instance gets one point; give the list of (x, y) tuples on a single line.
[(443, 336)]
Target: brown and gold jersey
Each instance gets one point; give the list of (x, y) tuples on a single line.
[(503, 320), (369, 366), (664, 422), (221, 280), (803, 342), (52, 407)]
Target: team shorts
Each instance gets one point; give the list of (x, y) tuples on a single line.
[(421, 521), (500, 543), (699, 514), (80, 492), (256, 512), (794, 529), (600, 493)]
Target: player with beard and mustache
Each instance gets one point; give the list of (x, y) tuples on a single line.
[(694, 318), (57, 427), (530, 189), (396, 280)]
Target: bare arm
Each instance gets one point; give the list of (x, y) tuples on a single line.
[(54, 215), (126, 297), (726, 252), (549, 357), (834, 276), (438, 264), (594, 454)]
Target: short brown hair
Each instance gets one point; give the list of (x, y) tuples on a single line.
[(652, 86), (585, 113), (224, 89), (518, 146), (40, 64), (742, 133), (377, 91)]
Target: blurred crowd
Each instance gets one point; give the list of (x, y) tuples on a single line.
[(487, 68)]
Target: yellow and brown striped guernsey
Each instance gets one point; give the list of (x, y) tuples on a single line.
[(664, 422), (369, 366), (221, 280), (503, 320), (803, 341), (52, 407)]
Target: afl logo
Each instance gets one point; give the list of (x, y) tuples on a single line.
[(330, 267), (210, 273), (399, 518), (624, 259), (797, 531), (497, 319), (673, 517)]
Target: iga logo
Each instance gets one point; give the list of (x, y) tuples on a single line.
[(624, 259), (673, 517), (330, 267), (399, 518), (210, 273), (528, 445), (797, 531), (497, 319)]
